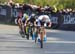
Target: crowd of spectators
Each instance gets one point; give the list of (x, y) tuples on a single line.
[(39, 9)]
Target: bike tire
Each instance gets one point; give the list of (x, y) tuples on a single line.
[(36, 37), (35, 40), (41, 43), (27, 36)]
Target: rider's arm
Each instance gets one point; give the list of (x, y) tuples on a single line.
[(20, 22), (49, 24)]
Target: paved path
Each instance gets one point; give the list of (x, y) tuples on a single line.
[(58, 42)]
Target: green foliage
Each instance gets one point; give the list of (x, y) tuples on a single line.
[(18, 1), (60, 4)]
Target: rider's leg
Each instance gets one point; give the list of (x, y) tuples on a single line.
[(22, 27)]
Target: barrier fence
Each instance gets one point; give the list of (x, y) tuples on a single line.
[(7, 15)]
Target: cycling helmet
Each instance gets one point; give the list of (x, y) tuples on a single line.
[(33, 15)]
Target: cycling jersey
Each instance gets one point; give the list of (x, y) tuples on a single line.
[(32, 19), (43, 20), (25, 17)]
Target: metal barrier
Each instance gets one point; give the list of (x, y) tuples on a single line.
[(7, 15)]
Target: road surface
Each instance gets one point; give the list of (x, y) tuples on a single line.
[(58, 42)]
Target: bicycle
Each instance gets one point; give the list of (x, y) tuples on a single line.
[(35, 32), (41, 33), (20, 24), (28, 30), (41, 36)]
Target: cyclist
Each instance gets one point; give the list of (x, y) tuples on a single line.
[(24, 19), (41, 31), (32, 22), (42, 22), (46, 19)]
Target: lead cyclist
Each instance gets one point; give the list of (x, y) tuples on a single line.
[(42, 22)]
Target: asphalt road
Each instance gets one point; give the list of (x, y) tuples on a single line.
[(58, 42)]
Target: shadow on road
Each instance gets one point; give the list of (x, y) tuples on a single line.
[(62, 35), (4, 23)]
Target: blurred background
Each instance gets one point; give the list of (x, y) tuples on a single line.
[(61, 12)]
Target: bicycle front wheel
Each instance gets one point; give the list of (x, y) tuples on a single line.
[(41, 43)]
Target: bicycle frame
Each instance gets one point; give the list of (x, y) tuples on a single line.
[(41, 36)]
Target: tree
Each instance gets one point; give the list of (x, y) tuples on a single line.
[(18, 1), (58, 3)]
